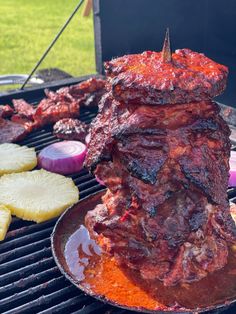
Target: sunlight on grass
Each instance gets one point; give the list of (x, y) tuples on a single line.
[(27, 27)]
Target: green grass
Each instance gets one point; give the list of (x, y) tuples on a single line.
[(28, 26)]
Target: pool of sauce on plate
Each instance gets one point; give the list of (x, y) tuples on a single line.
[(98, 272)]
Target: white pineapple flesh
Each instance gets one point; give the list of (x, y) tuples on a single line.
[(5, 220), (37, 195), (16, 158)]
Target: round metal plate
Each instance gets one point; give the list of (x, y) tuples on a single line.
[(67, 225)]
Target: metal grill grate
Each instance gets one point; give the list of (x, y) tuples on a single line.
[(30, 282)]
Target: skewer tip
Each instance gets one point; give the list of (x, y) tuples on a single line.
[(166, 51)]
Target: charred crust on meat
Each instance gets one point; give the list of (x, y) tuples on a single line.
[(131, 82), (162, 149), (203, 125), (152, 212), (197, 220), (147, 175), (121, 133)]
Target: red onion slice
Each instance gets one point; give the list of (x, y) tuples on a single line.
[(232, 172), (65, 157)]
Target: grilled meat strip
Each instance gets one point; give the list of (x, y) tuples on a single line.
[(166, 212), (66, 102), (146, 79), (61, 105), (6, 111), (88, 88), (23, 109), (56, 106), (11, 132), (24, 115), (27, 123), (71, 129), (90, 92)]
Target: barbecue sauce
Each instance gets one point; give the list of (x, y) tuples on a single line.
[(103, 277)]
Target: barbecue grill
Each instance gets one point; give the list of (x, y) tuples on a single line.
[(30, 281)]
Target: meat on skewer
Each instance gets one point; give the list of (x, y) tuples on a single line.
[(162, 149)]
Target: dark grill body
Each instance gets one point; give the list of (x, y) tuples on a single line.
[(30, 281)]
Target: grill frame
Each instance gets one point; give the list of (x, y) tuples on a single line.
[(30, 281)]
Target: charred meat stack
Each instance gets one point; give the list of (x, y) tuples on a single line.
[(162, 149)]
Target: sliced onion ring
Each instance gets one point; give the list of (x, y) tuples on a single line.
[(232, 172), (65, 157)]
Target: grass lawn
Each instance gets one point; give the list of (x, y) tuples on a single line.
[(28, 26)]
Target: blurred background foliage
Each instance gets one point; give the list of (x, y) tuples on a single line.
[(28, 26)]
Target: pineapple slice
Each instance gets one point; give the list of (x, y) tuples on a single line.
[(37, 195), (5, 220), (16, 158)]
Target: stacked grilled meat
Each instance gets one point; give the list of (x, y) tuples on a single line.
[(162, 149)]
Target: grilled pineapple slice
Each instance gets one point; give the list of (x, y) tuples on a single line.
[(5, 220), (37, 195), (16, 158)]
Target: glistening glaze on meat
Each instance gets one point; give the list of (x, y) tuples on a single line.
[(146, 79), (166, 212)]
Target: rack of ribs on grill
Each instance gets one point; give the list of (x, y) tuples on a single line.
[(162, 149)]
